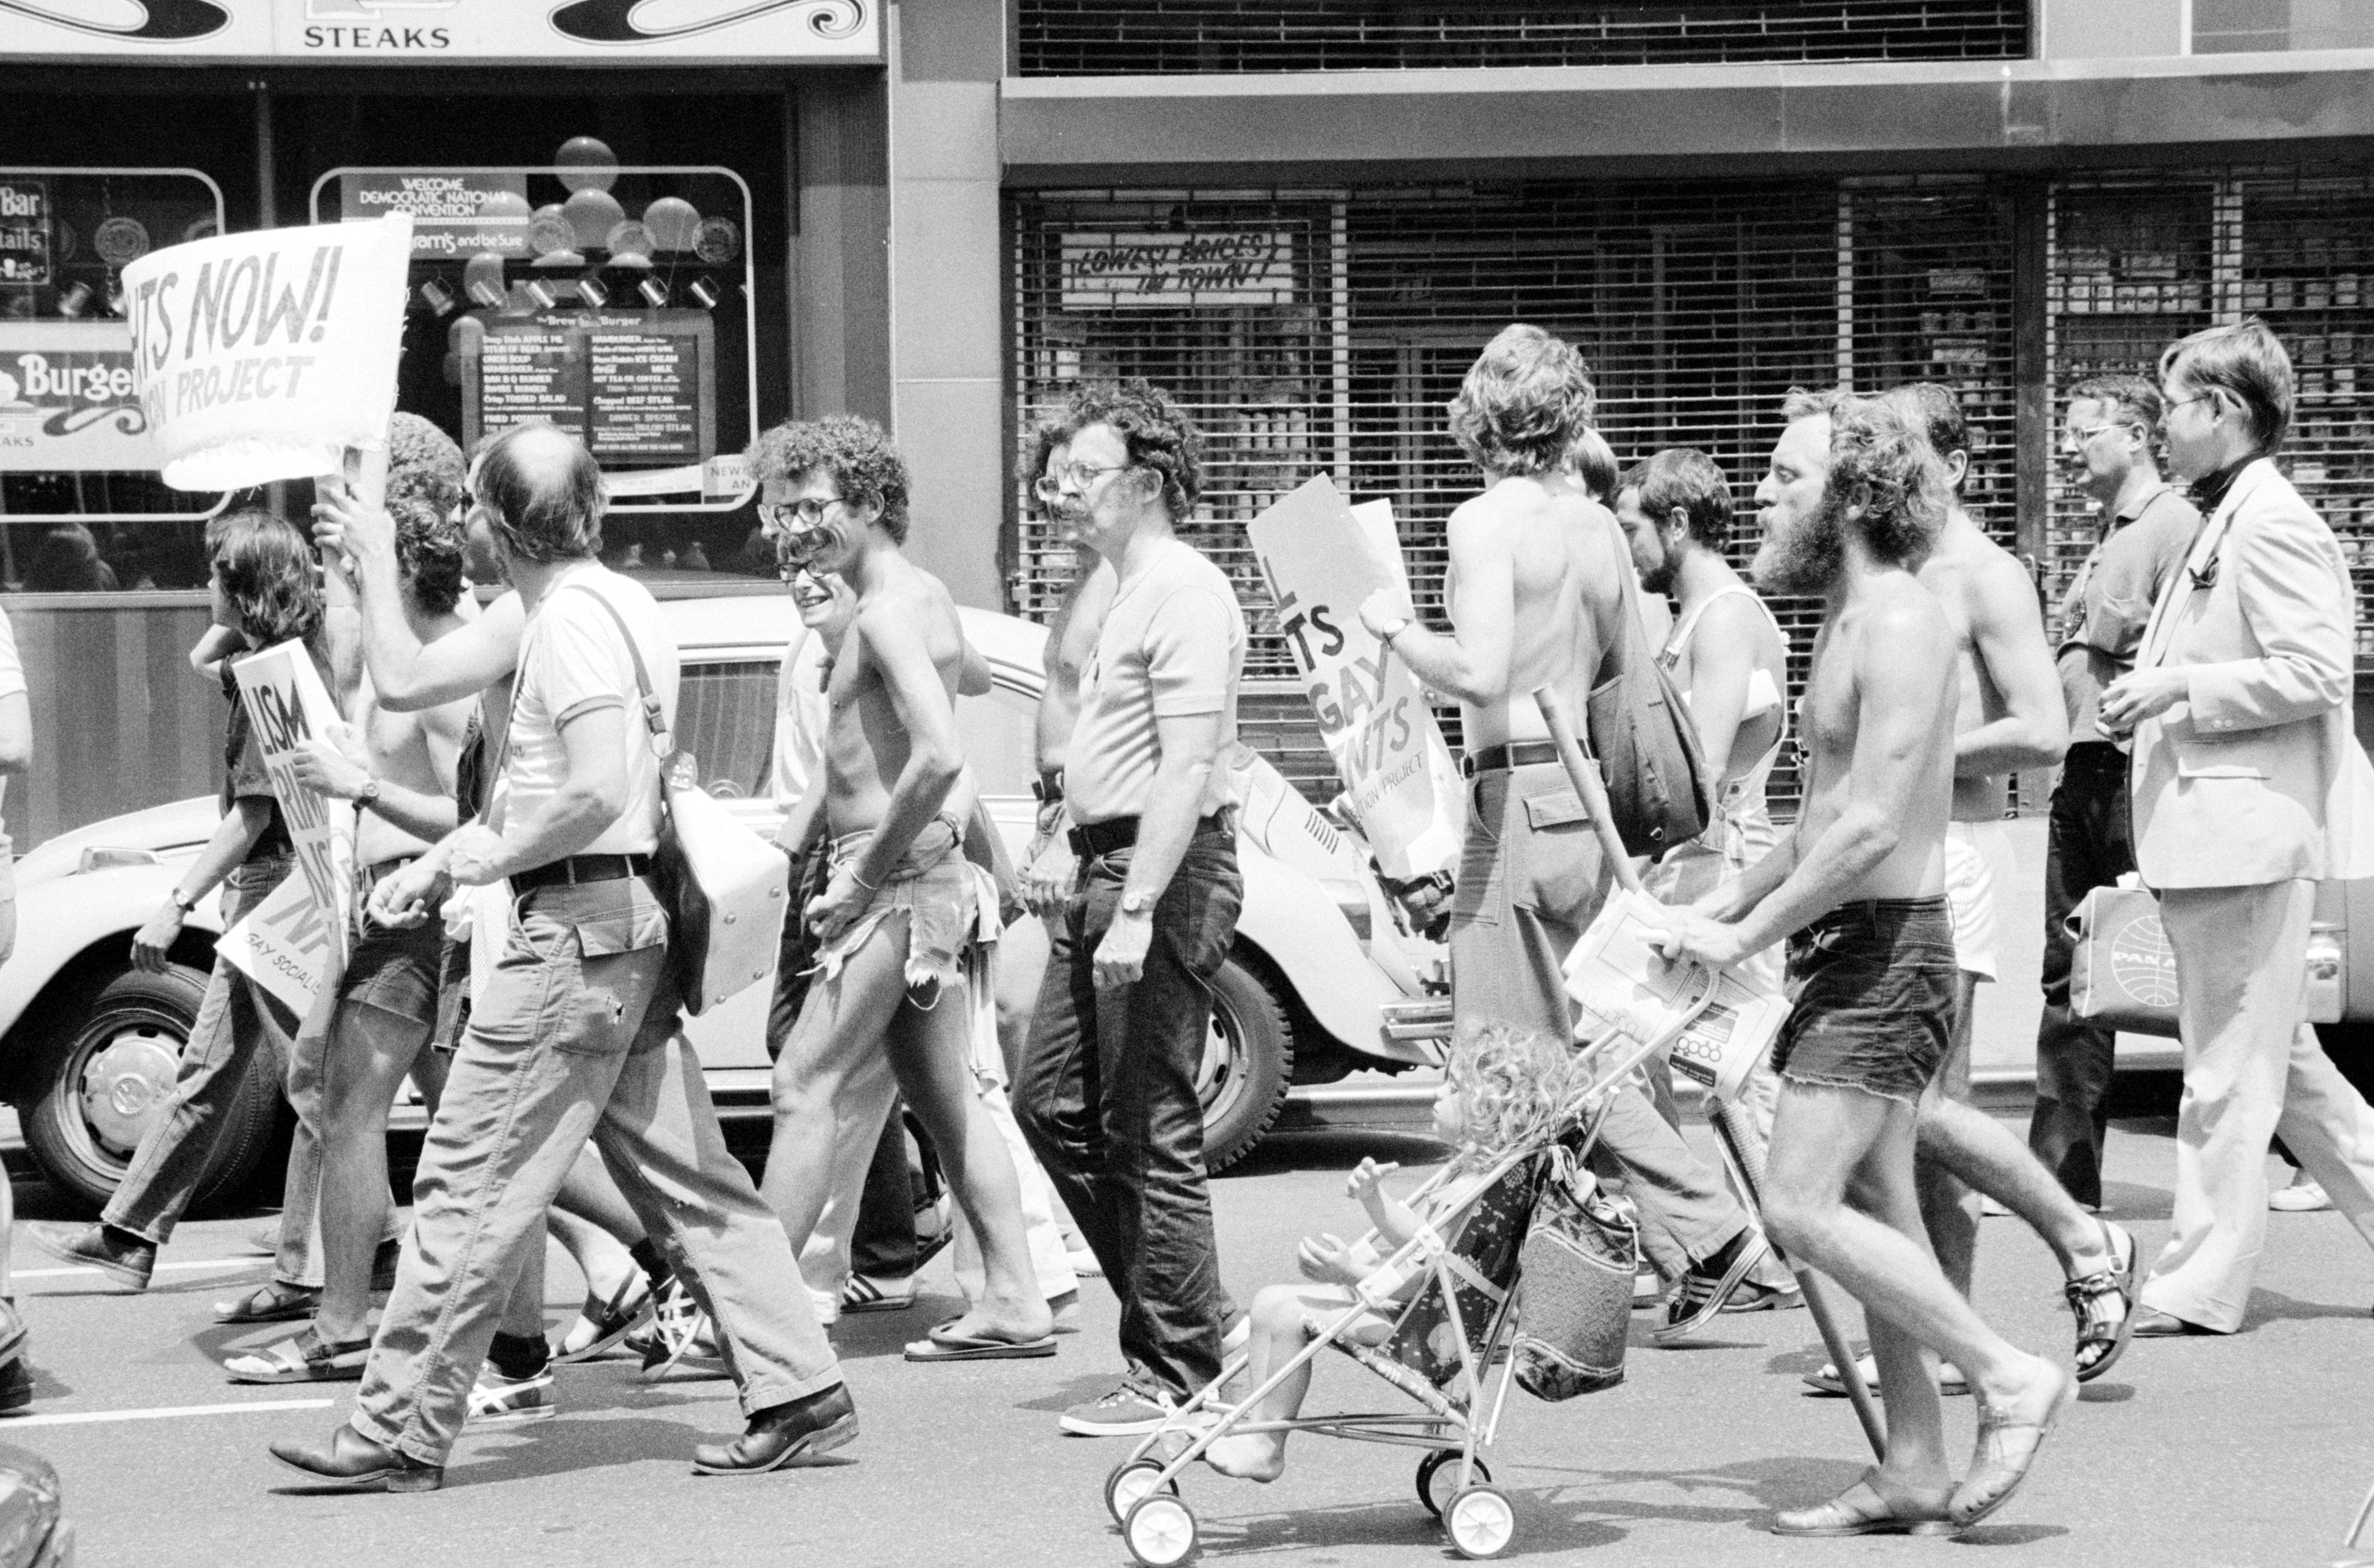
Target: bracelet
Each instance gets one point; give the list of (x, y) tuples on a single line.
[(860, 881)]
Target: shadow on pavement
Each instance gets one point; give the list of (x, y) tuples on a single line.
[(2273, 1306), (1335, 1149), (1402, 1522)]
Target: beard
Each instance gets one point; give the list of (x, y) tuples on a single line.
[(1660, 578), (1807, 556)]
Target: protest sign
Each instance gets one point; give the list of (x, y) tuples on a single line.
[(1322, 561), (264, 356), (289, 704), (283, 945), (1621, 985)]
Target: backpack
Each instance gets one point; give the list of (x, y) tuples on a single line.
[(1660, 789)]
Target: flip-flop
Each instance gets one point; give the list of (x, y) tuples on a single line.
[(1860, 1510), (271, 1302), (944, 1346), (302, 1358)]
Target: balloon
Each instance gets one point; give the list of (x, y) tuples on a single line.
[(482, 279), (547, 235), (674, 223), (630, 245), (592, 214), (718, 242), (586, 163), (505, 203)]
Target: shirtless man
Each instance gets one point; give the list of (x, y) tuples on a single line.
[(892, 923), (1854, 499), (1534, 588), (2008, 715), (398, 769)]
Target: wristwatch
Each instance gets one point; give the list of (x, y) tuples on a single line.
[(1137, 901), (182, 901), (367, 798)]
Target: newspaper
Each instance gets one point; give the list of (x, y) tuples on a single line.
[(1621, 985)]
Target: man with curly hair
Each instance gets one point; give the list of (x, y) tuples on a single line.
[(1536, 590), (892, 924), (398, 770), (1854, 503), (1107, 1093)]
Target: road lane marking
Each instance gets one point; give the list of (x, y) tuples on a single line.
[(93, 1269), (85, 1418)]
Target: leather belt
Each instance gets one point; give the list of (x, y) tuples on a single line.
[(1500, 758), (581, 869), (1091, 839)]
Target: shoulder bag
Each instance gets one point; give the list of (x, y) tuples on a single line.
[(1660, 789), (725, 887)]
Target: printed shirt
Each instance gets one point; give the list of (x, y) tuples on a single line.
[(1172, 645), (2109, 602)]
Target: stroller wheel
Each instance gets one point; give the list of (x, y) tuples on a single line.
[(1160, 1530), (1438, 1478), (1482, 1522), (1129, 1482)]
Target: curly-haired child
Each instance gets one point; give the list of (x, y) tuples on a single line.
[(1504, 1089)]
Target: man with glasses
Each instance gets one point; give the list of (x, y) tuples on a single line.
[(898, 910), (1106, 1095), (2106, 453)]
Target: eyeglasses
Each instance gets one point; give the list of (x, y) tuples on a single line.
[(808, 512), (1080, 474), (2073, 439)]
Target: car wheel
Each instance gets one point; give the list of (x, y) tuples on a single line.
[(108, 1075), (1248, 1064)]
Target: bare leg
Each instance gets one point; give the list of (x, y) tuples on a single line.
[(840, 1024), (1962, 1151), (930, 1046), (1824, 1136), (370, 1051), (1277, 1336)]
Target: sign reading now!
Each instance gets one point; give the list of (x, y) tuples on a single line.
[(262, 356)]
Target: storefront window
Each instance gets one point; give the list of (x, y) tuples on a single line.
[(83, 507), (613, 301)]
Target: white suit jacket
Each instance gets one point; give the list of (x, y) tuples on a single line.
[(2256, 776)]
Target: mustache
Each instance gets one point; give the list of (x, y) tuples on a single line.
[(1806, 556)]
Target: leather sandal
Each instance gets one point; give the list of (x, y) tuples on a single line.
[(1860, 1510), (2005, 1450), (2101, 1338), (603, 1324), (271, 1302), (302, 1358)]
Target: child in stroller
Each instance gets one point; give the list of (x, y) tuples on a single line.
[(1505, 1091)]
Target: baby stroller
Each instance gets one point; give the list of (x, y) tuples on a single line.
[(1442, 1342)]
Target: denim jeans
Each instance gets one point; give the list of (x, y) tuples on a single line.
[(235, 1023), (2089, 844), (1107, 1103), (577, 1036)]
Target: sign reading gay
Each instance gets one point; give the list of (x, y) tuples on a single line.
[(1321, 559), (264, 356)]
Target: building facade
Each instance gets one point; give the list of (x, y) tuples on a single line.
[(1304, 217)]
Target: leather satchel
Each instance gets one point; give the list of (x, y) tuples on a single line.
[(727, 888), (1660, 789)]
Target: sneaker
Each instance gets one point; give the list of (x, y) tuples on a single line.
[(1128, 1412), (1755, 1296), (496, 1400), (1704, 1290), (2304, 1196), (868, 1292)]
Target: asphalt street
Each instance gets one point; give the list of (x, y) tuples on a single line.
[(2249, 1450)]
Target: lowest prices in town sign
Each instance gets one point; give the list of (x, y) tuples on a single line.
[(265, 356)]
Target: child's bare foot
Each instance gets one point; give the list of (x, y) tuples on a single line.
[(1254, 1455)]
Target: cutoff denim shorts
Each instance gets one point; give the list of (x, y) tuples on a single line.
[(1872, 984)]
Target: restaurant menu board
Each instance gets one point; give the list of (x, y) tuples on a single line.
[(24, 230), (638, 386)]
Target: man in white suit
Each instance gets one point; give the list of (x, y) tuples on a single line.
[(2249, 787)]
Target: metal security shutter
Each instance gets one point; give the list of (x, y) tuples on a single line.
[(1324, 331), (2141, 260), (1072, 38), (2133, 267)]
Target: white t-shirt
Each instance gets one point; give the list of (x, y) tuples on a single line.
[(571, 661), (12, 683), (800, 715), (1172, 645)]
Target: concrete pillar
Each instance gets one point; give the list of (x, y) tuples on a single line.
[(947, 295)]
